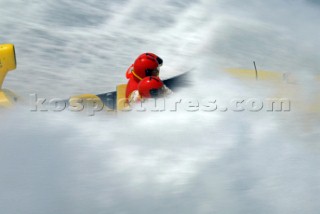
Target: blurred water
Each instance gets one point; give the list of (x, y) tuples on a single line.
[(164, 162)]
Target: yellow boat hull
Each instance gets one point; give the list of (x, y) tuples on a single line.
[(7, 63)]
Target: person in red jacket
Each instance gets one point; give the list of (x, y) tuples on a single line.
[(147, 64)]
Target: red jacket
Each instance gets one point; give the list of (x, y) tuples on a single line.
[(133, 82), (131, 86)]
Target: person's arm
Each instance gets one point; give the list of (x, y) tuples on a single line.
[(167, 91), (134, 97)]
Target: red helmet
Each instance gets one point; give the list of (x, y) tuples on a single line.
[(145, 64), (150, 87)]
